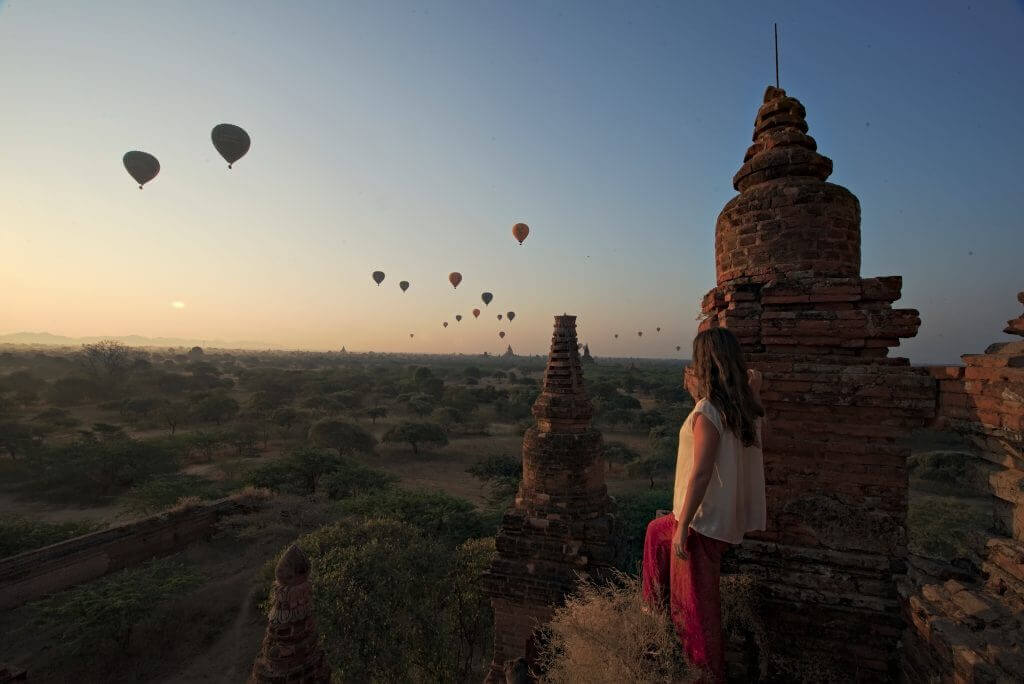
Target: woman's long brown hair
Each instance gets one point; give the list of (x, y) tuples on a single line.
[(721, 375)]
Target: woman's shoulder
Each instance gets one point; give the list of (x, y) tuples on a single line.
[(710, 411)]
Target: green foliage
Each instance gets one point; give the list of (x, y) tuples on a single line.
[(18, 439), (353, 479), (442, 517), (633, 512), (71, 391), (91, 468), (216, 408), (343, 436), (98, 617), (164, 491), (305, 471), (376, 412), (374, 580), (502, 473), (617, 452), (415, 434), (19, 534), (947, 528)]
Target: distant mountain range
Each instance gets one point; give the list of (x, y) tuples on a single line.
[(51, 340)]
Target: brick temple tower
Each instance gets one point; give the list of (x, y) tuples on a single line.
[(787, 256), (291, 652), (560, 522)]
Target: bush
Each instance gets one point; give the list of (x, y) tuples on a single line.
[(96, 619), (448, 519), (19, 534), (165, 491), (352, 479), (633, 512), (372, 581), (502, 473), (343, 436), (603, 634), (617, 452)]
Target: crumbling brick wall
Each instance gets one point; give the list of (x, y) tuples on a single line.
[(969, 627)]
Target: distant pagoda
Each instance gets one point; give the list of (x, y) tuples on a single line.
[(587, 358), (560, 523), (508, 352)]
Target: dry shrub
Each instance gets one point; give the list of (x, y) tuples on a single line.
[(252, 497), (605, 634), (186, 503)]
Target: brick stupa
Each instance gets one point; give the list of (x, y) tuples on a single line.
[(560, 524), (787, 255), (291, 653)]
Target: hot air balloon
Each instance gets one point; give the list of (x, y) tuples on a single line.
[(142, 166), (657, 329), (487, 297), (616, 335), (511, 315), (404, 285), (378, 277), (445, 324), (231, 141), (458, 318), (476, 313), (678, 347), (502, 334), (520, 231), (412, 335), (640, 333), (499, 317), (454, 278)]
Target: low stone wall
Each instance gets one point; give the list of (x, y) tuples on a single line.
[(52, 568), (966, 626)]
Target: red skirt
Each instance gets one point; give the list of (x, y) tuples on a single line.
[(691, 589)]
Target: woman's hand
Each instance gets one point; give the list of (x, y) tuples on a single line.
[(679, 541), (754, 379)]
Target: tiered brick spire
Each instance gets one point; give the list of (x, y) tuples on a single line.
[(787, 251), (559, 524), (291, 653)]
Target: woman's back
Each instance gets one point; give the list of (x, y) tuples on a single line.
[(734, 502)]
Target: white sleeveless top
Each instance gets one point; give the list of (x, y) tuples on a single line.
[(735, 499)]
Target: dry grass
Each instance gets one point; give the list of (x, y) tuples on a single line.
[(605, 635)]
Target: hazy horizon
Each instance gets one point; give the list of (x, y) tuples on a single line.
[(409, 137)]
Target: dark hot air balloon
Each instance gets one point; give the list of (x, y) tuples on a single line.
[(678, 347), (231, 141), (657, 329), (404, 285), (458, 318), (487, 297), (502, 334), (412, 335), (445, 324), (640, 333), (499, 317), (616, 335), (455, 278), (520, 231), (142, 166), (476, 313), (511, 315), (378, 277)]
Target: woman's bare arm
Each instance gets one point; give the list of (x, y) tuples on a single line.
[(705, 446)]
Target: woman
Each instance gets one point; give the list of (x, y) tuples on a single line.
[(719, 496)]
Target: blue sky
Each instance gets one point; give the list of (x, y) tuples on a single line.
[(410, 136)]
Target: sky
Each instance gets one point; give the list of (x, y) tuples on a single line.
[(410, 136)]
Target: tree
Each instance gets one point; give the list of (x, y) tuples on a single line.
[(501, 473), (70, 391), (415, 434), (216, 408), (447, 416), (421, 404), (107, 361), (16, 439), (285, 417), (376, 412), (174, 413), (341, 435), (650, 419)]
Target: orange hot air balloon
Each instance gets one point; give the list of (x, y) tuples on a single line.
[(458, 318), (520, 231), (476, 313), (231, 141), (499, 317), (445, 324), (511, 315), (455, 278), (502, 334), (142, 166), (487, 297), (404, 285), (378, 277)]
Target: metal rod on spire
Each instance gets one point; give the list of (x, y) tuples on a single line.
[(776, 55)]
